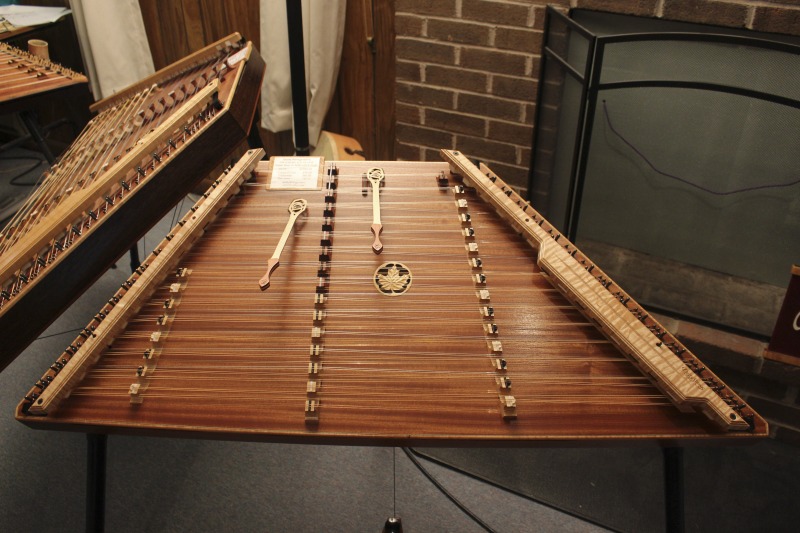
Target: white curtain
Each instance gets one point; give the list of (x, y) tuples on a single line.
[(113, 43), (323, 33)]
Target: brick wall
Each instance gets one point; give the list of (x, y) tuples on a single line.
[(467, 70)]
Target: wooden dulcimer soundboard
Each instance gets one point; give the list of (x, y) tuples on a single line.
[(378, 303), (139, 156)]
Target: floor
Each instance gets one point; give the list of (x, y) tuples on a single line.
[(162, 484)]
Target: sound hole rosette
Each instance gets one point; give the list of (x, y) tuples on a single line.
[(392, 279)]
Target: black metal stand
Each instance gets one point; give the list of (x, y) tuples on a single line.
[(393, 525), (134, 254), (297, 70), (673, 489), (95, 482), (32, 125)]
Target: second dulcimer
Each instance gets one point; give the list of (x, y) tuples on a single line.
[(147, 147), (674, 370)]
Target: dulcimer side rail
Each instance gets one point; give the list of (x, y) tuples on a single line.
[(146, 149), (658, 354), (69, 369)]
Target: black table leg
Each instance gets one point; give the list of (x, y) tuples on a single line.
[(673, 489), (32, 125), (95, 482), (135, 262)]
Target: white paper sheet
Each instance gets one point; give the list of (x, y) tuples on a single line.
[(32, 15)]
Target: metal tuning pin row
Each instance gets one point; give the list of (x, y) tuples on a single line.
[(320, 298), (71, 233), (508, 403), (85, 334), (163, 324)]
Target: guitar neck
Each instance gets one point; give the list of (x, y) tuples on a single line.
[(659, 356)]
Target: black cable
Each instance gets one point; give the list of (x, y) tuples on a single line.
[(59, 333), (515, 492), (447, 493), (691, 183)]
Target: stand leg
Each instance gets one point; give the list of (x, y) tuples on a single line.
[(393, 525), (673, 489), (134, 253), (29, 119), (95, 483)]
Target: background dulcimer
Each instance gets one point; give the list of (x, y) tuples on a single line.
[(23, 74), (146, 148), (378, 302)]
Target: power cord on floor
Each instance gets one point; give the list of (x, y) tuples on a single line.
[(76, 330), (475, 518)]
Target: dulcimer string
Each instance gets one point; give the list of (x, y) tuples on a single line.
[(81, 164), (351, 367)]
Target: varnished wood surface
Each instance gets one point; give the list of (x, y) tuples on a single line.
[(136, 205), (177, 29), (414, 368)]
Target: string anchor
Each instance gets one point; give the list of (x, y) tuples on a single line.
[(297, 207), (376, 178)]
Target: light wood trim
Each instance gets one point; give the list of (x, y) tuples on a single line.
[(185, 63), (80, 201), (158, 266), (556, 257)]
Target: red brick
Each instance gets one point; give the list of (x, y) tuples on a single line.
[(488, 106), (705, 12), (781, 372), (458, 31), (425, 51), (421, 135), (434, 154), (777, 20), (775, 411), (456, 78), (520, 134), (514, 87), (408, 70), (495, 12), (407, 152), (538, 17), (514, 175), (455, 122), (546, 141), (493, 61), (408, 25), (481, 148), (642, 8), (426, 7), (408, 114), (529, 41), (530, 113), (552, 93), (424, 96), (524, 156), (543, 159)]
